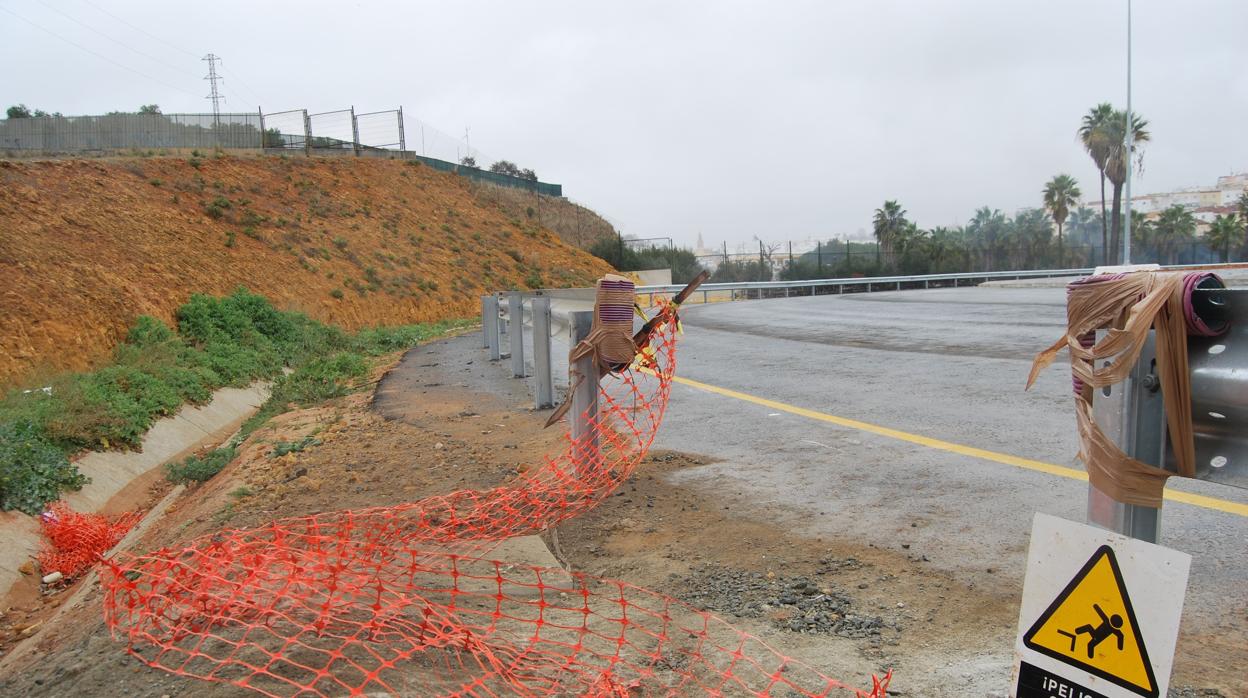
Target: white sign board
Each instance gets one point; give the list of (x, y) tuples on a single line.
[(1100, 614)]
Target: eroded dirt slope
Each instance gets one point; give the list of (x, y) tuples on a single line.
[(86, 245)]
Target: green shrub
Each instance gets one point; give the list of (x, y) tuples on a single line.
[(149, 332), (33, 471), (232, 340), (281, 448), (200, 468), (336, 293), (320, 379)]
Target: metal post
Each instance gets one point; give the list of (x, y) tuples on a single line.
[(499, 323), (515, 332), (307, 133), (260, 111), (485, 322), (584, 410), (1130, 146), (402, 135), (1132, 414), (545, 392), (819, 257), (355, 133), (491, 326)]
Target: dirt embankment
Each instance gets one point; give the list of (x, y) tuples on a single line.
[(574, 223), (85, 246)]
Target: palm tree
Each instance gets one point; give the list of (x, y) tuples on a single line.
[(1121, 156), (1092, 135), (1033, 235), (1222, 232), (1060, 194), (947, 249), (1175, 226), (988, 230), (1242, 205), (1144, 235), (889, 225)]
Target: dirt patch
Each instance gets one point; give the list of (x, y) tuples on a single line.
[(799, 604), (847, 608)]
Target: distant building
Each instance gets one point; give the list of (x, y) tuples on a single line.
[(1204, 202)]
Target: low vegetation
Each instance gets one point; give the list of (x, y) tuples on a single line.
[(200, 468), (622, 256), (219, 341)]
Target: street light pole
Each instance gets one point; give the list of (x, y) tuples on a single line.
[(1130, 146)]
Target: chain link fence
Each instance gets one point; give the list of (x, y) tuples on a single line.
[(111, 132), (342, 131)]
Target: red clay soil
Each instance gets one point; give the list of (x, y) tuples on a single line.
[(87, 245)]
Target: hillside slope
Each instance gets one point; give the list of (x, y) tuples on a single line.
[(85, 246), (574, 223)]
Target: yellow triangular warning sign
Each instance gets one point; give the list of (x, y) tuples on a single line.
[(1091, 625)]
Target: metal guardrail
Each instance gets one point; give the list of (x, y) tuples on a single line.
[(784, 289), (500, 318), (865, 283)]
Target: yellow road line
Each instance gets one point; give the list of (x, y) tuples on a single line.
[(1197, 500)]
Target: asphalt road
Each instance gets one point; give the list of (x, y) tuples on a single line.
[(947, 364)]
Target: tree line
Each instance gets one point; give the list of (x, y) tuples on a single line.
[(21, 111), (1057, 233), (504, 167)]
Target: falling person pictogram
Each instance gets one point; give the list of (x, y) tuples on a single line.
[(1109, 626)]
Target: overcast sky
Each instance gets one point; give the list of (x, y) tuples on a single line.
[(785, 120)]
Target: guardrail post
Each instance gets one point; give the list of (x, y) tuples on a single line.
[(583, 374), (485, 323), (515, 332), (1134, 418), (490, 309), (545, 392), (499, 322)]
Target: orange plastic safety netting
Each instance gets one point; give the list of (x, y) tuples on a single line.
[(75, 541), (400, 601)]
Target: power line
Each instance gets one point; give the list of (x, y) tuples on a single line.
[(119, 42), (239, 81), (142, 31), (96, 53)]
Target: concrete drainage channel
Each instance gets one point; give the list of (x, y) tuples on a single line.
[(192, 428)]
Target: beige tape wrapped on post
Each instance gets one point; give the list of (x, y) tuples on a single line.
[(1127, 306), (610, 339)]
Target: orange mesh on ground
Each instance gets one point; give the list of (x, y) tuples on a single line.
[(399, 600), (76, 541)]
